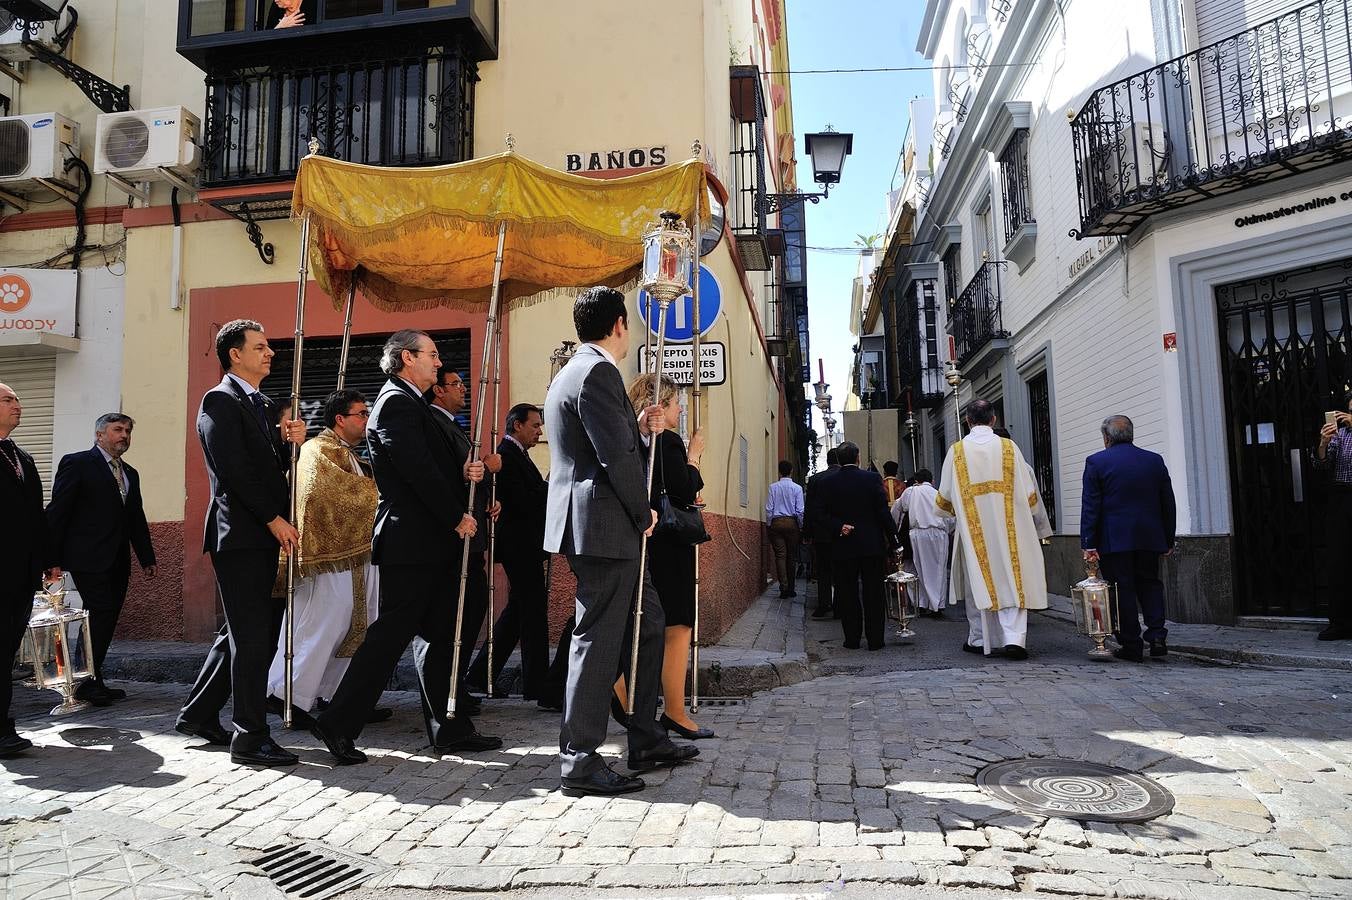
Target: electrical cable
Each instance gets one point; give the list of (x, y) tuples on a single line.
[(873, 69), (727, 468)]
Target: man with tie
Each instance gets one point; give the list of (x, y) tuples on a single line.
[(247, 463), (23, 534), (520, 536), (96, 519), (422, 516)]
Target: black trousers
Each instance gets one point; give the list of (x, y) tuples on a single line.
[(103, 594), (1339, 530), (418, 605), (476, 611), (1140, 593), (18, 581), (556, 681), (237, 663), (524, 619), (858, 608), (825, 579)]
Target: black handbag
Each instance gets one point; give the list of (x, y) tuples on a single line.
[(677, 522)]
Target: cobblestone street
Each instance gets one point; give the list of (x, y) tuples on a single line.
[(863, 777)]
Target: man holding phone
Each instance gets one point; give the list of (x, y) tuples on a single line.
[(1335, 453)]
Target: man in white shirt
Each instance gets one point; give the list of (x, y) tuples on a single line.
[(929, 531), (784, 516)]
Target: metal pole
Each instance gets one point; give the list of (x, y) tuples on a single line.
[(652, 463), (493, 496), (474, 456), (301, 283), (695, 393), (347, 332)]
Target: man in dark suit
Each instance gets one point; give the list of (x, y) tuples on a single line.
[(1127, 522), (814, 525), (94, 517), (598, 511), (520, 536), (422, 516), (23, 534), (247, 461), (855, 512)]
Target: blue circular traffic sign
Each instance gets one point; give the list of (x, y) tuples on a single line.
[(681, 312)]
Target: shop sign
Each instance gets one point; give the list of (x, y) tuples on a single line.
[(36, 300), (1083, 261), (609, 160), (676, 362)]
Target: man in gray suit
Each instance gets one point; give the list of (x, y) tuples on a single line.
[(597, 513)]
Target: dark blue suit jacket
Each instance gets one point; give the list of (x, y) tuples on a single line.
[(1127, 503), (90, 524), (246, 466), (856, 497)]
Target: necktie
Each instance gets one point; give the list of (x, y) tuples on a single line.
[(12, 457), (260, 405), (116, 465)]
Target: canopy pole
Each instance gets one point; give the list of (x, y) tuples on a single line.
[(491, 328), (301, 282), (347, 332), (695, 394), (652, 462), (493, 496)]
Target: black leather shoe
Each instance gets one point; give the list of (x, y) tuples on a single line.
[(470, 743), (1158, 649), (90, 692), (113, 693), (211, 732), (340, 748), (604, 782), (11, 745), (299, 717), (1015, 652), (468, 705), (876, 646), (265, 754), (848, 646), (549, 704), (664, 754), (822, 613), (618, 714), (697, 734), (972, 648), (379, 714), (1336, 633), (1130, 654)]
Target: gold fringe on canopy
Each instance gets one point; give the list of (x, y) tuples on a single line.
[(421, 237)]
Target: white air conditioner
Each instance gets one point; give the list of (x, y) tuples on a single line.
[(31, 149), (140, 144), (1131, 162), (12, 31)]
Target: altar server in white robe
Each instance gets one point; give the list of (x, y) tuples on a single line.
[(929, 531), (988, 488), (336, 587)]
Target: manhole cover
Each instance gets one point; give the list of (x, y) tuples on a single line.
[(1075, 790)]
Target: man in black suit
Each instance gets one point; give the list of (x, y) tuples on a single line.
[(94, 517), (814, 525), (247, 462), (855, 511), (522, 491), (422, 516), (23, 534)]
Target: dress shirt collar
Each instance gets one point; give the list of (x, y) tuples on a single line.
[(107, 457), (519, 445), (445, 412), (605, 354), (981, 434), (249, 389)]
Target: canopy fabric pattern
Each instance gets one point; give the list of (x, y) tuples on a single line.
[(413, 238)]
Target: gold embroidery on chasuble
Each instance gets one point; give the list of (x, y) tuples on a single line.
[(356, 631), (1011, 535), (967, 492), (942, 503)]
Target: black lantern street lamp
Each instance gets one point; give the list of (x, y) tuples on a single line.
[(828, 150)]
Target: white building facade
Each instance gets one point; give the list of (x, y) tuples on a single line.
[(1141, 208)]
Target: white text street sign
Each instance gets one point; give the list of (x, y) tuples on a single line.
[(676, 363)]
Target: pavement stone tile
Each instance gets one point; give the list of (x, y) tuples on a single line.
[(975, 876), (1052, 883)]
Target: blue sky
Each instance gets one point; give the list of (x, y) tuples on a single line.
[(849, 34)]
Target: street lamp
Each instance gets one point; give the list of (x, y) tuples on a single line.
[(828, 150), (822, 400)]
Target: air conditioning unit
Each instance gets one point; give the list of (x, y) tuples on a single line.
[(13, 49), (31, 149), (1131, 162), (144, 144)]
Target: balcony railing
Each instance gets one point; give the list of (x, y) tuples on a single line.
[(748, 203), (975, 320), (1263, 104), (412, 105), (916, 345)]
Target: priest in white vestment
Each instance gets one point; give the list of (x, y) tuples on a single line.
[(337, 591), (989, 489), (929, 531)]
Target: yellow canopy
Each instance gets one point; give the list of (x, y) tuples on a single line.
[(420, 237)]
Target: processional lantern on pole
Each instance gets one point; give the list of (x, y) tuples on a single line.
[(1096, 613), (559, 358), (901, 601), (59, 645), (668, 255)]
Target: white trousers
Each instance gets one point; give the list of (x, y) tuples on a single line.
[(323, 606), (996, 630), (929, 551)]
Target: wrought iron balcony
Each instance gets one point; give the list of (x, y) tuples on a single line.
[(748, 203), (975, 321), (915, 345), (1263, 104)]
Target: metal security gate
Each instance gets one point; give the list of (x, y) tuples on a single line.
[(1040, 414), (1285, 342)]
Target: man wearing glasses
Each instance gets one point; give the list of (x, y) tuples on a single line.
[(336, 591)]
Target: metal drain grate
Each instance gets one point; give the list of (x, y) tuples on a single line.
[(722, 701), (312, 872), (1248, 729)]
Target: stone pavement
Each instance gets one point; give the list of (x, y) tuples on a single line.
[(863, 777)]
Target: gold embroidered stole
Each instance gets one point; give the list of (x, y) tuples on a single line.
[(968, 492)]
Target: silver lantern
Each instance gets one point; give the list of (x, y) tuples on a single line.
[(901, 601), (59, 646), (1095, 603), (668, 255)]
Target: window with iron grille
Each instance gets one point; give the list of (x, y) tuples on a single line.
[(1014, 178), (952, 273), (1040, 414), (743, 471)]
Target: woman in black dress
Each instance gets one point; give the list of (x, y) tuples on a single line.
[(672, 563)]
